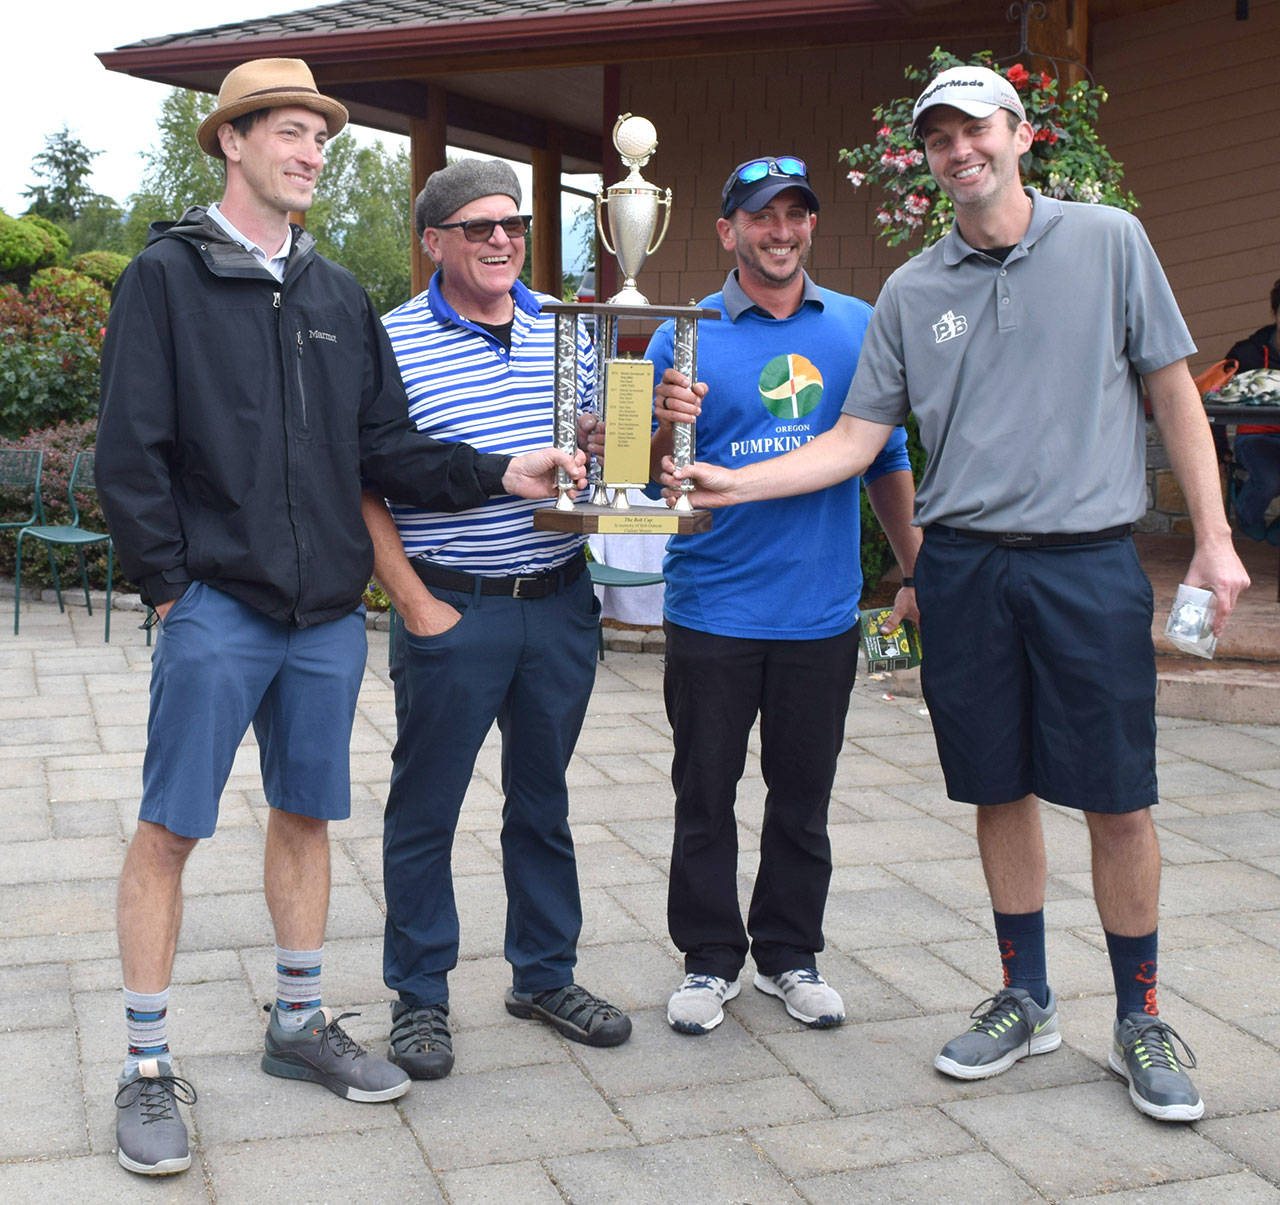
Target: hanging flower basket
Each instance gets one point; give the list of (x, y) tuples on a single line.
[(1066, 158)]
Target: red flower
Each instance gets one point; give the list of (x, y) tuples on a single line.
[(1045, 81), (1045, 134), (1018, 75), (883, 132)]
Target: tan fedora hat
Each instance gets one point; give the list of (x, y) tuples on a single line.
[(267, 84)]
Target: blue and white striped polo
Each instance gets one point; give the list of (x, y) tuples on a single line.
[(464, 386)]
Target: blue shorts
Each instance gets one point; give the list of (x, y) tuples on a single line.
[(1039, 671), (219, 665)]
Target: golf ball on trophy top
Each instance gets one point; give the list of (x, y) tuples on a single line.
[(635, 138)]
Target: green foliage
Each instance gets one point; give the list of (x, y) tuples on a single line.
[(375, 598), (71, 287), (103, 266), (61, 239), (60, 444), (25, 245), (1066, 159), (62, 171), (100, 227), (362, 217), (50, 343)]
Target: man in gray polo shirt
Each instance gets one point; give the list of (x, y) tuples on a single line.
[(1023, 342)]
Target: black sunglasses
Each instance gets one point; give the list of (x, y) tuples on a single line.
[(480, 230)]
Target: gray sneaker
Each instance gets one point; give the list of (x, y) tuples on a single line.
[(1142, 1052), (808, 997), (1007, 1027), (325, 1053), (151, 1139), (697, 1005), (420, 1040)]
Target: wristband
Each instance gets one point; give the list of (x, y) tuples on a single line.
[(908, 583)]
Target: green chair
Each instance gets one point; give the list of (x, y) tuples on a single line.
[(20, 471), (607, 575), (73, 535)]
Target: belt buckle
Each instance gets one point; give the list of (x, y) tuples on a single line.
[(518, 585), (1017, 539)]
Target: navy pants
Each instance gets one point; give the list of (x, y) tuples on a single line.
[(529, 664), (1260, 455), (714, 688)]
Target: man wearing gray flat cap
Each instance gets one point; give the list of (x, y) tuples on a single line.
[(494, 622)]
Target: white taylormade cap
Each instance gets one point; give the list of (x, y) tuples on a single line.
[(978, 91)]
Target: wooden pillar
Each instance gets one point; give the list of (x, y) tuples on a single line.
[(1064, 34), (547, 276), (426, 155)]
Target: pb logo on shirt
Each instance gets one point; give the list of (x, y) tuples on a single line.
[(790, 386), (950, 326)]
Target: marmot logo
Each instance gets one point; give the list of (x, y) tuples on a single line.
[(325, 335)]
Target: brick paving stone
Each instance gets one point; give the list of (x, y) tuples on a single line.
[(888, 916), (97, 1178), (35, 997), (1247, 837), (958, 1180), (1101, 1143), (1241, 1188), (703, 1109), (390, 1168), (511, 1114), (920, 976), (1252, 1138), (525, 1182), (722, 1169), (889, 841), (819, 1148), (40, 1095)]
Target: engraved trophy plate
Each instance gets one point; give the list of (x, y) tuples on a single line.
[(625, 393)]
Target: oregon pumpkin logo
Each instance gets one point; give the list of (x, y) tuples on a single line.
[(790, 387)]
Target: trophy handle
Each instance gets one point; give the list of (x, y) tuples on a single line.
[(600, 222), (666, 221)]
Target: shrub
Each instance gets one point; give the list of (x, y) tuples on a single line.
[(70, 286), (24, 246), (49, 355), (61, 239), (60, 444), (103, 266)]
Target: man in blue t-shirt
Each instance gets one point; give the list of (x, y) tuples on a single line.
[(761, 613)]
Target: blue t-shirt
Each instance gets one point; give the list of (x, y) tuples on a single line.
[(789, 568)]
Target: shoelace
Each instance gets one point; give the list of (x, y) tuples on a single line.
[(707, 983), (428, 1027), (577, 1005), (1005, 1007), (341, 1042), (156, 1095), (805, 975), (1153, 1048)]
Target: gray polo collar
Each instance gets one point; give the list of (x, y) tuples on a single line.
[(737, 303), (1046, 212)]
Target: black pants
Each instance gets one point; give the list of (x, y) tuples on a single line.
[(714, 687)]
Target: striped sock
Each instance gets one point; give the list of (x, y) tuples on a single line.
[(146, 1024), (297, 985)]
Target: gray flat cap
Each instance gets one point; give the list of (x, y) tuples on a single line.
[(452, 187)]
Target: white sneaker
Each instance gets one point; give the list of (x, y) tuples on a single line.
[(697, 1004), (808, 997)]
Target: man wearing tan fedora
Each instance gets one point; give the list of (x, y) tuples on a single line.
[(248, 389)]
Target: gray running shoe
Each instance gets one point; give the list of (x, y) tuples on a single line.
[(1142, 1052), (324, 1053), (1007, 1027), (420, 1040), (575, 1012), (808, 997), (151, 1139), (696, 1006)]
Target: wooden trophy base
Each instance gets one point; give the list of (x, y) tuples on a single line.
[(585, 519)]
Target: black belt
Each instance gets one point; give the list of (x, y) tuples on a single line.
[(537, 585), (1039, 539)]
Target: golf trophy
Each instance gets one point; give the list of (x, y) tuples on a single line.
[(624, 400)]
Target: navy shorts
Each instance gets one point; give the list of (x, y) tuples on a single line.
[(219, 665), (1039, 671)]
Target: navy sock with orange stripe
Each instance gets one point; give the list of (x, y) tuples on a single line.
[(1133, 967), (1021, 938)]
